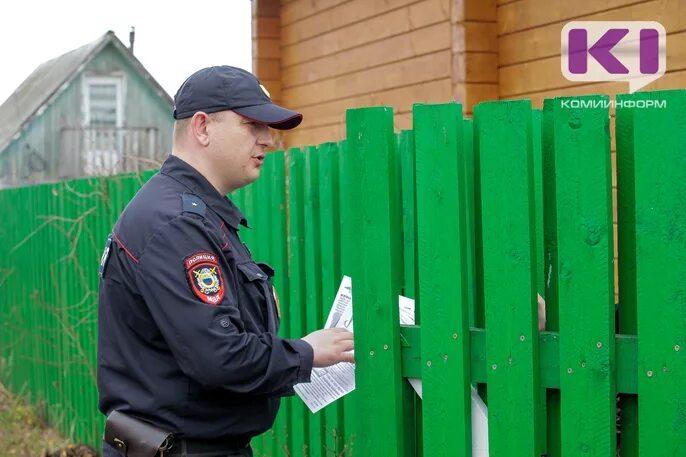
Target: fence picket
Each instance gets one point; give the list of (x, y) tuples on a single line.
[(585, 277), (329, 214), (372, 168), (313, 310), (504, 156), (654, 157), (296, 304), (279, 260), (442, 291)]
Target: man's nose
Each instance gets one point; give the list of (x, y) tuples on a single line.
[(266, 137)]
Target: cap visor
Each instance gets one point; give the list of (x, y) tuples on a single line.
[(273, 115)]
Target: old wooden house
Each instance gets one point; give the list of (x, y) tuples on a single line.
[(92, 111)]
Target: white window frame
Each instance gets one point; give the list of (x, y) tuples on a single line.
[(88, 81), (93, 159)]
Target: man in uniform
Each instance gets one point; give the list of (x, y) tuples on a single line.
[(187, 319)]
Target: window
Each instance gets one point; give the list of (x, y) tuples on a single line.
[(103, 120)]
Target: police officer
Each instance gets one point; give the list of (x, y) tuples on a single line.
[(187, 319)]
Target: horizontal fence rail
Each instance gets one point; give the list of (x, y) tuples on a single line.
[(471, 218)]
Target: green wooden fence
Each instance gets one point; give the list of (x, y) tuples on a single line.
[(471, 218)]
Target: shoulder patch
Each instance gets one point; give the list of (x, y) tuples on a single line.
[(205, 277), (193, 204)]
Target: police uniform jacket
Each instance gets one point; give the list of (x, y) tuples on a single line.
[(187, 319)]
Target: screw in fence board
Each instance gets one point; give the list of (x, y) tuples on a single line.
[(503, 147), (313, 318), (372, 171), (652, 164), (296, 303), (584, 275), (442, 287), (329, 214)]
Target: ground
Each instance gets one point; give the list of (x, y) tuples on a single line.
[(23, 433)]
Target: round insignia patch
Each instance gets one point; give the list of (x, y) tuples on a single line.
[(205, 277)]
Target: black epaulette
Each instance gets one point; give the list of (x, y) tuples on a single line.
[(193, 204)]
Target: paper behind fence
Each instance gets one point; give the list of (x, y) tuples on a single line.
[(479, 409), (331, 383)]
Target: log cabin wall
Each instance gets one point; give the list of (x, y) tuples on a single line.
[(338, 54), (324, 56)]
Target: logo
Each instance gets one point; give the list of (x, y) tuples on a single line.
[(205, 277), (632, 51)]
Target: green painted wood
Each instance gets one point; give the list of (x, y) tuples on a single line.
[(538, 217), (407, 165), (442, 289), (553, 431), (349, 237), (626, 357), (329, 213), (261, 250), (52, 316), (585, 277), (503, 139), (279, 261), (413, 418), (269, 217), (536, 120), (372, 169), (470, 236), (313, 299), (657, 162), (626, 243), (296, 303)]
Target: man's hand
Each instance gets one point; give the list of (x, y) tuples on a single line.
[(331, 346)]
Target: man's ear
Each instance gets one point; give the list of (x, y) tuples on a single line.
[(199, 128)]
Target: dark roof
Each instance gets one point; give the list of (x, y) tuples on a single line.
[(50, 78)]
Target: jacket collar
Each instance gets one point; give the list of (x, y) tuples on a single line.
[(182, 172)]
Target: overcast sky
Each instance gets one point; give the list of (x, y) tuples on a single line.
[(173, 38)]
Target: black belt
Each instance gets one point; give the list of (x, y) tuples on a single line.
[(193, 446)]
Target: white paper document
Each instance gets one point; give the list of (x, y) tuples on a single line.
[(331, 383), (479, 409)]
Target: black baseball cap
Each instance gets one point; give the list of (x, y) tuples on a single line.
[(222, 88)]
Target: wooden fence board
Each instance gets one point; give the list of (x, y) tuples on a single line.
[(503, 139), (442, 290)]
